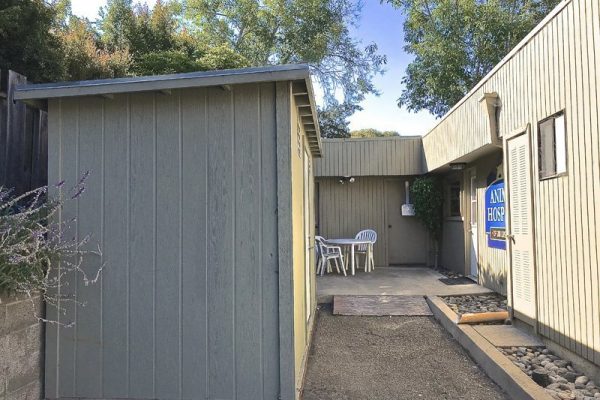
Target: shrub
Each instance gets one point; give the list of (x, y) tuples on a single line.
[(36, 251)]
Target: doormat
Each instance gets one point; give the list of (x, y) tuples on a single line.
[(457, 281), (380, 305)]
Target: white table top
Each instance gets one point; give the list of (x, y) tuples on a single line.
[(348, 241)]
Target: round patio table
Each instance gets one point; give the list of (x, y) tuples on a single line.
[(350, 243)]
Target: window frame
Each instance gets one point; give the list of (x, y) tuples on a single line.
[(449, 214), (553, 117)]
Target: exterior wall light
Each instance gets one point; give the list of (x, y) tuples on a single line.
[(459, 166), (348, 179)]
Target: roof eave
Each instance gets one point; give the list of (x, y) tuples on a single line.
[(162, 82)]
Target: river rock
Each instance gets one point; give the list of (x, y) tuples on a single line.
[(582, 380), (541, 377)]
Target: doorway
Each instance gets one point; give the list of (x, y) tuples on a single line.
[(407, 238), (520, 223), (473, 250)]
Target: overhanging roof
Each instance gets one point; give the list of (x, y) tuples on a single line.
[(297, 73)]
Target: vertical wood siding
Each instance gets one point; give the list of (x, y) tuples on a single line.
[(346, 209), (461, 132), (371, 157), (181, 197), (554, 70), (557, 71)]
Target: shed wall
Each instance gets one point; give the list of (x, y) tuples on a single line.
[(181, 198), (303, 238), (393, 156)]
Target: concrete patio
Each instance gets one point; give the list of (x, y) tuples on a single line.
[(391, 281)]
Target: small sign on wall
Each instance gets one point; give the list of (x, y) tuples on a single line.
[(408, 210), (495, 223)]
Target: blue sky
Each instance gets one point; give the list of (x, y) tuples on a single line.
[(382, 24)]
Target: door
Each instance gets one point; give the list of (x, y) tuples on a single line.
[(307, 238), (473, 253), (520, 237), (407, 238)]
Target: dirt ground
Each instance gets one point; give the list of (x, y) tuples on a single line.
[(381, 358)]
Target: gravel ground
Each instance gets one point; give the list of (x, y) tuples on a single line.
[(385, 358), (558, 376), (476, 304)]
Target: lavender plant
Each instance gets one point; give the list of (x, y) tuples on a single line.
[(37, 250)]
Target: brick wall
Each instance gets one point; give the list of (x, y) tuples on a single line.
[(21, 355)]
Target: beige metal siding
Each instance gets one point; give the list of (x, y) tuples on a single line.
[(466, 128), (463, 131), (452, 250), (563, 59), (182, 199), (554, 70), (371, 157)]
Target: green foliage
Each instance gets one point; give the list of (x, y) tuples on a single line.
[(372, 133), (333, 120), (85, 59), (428, 199), (290, 31), (44, 41), (457, 42), (26, 46)]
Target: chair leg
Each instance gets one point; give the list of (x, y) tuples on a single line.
[(367, 262), (337, 265), (319, 263), (343, 265)]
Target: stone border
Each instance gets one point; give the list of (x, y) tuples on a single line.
[(499, 368)]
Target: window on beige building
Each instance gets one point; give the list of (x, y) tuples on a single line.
[(552, 146)]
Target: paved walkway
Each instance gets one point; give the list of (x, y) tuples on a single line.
[(391, 280), (388, 358)]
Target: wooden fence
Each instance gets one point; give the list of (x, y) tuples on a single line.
[(23, 139)]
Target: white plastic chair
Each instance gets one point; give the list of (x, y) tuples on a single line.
[(366, 249), (328, 253)]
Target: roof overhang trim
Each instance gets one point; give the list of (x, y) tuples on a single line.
[(104, 87), (303, 94), (298, 74)]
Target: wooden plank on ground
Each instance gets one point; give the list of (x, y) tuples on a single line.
[(380, 305)]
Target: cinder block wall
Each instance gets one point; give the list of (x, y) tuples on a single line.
[(21, 354)]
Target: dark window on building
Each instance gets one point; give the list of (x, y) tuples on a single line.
[(454, 199), (552, 146)]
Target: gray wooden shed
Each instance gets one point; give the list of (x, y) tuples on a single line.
[(204, 214)]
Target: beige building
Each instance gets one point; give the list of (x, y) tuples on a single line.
[(534, 121)]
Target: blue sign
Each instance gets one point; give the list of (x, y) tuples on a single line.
[(495, 223)]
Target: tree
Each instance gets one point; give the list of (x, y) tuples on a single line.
[(371, 133), (291, 31), (27, 44), (457, 42), (333, 120), (85, 59)]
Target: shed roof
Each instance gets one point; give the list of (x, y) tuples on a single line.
[(297, 73)]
